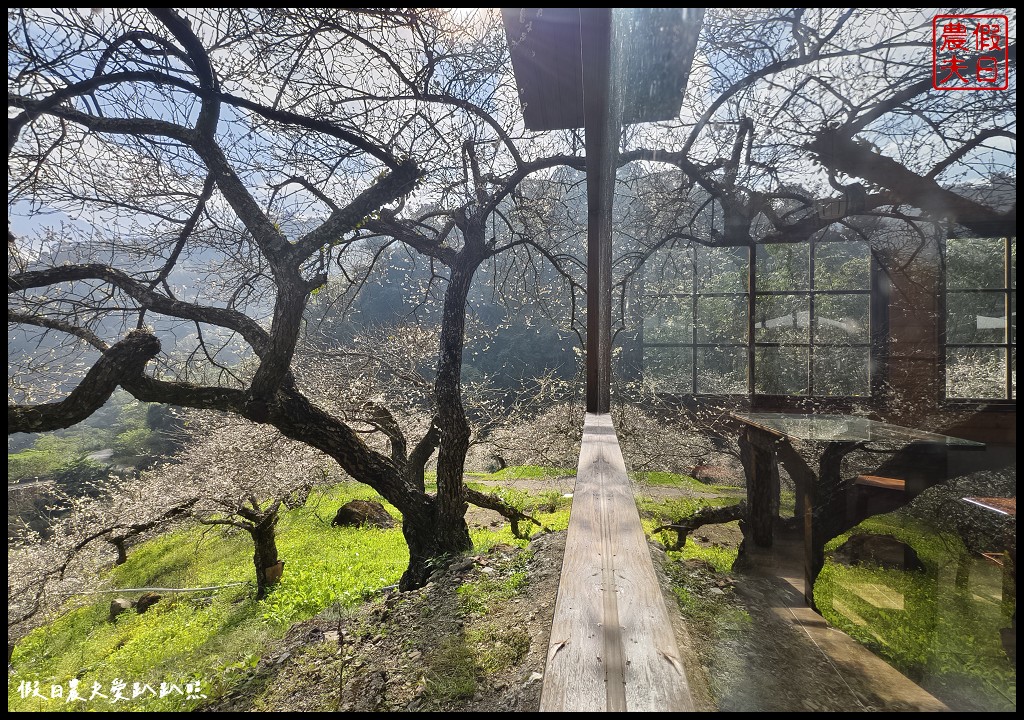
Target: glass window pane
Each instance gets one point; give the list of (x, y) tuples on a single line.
[(782, 318), (669, 271), (841, 371), (976, 373), (783, 267), (1013, 318), (722, 370), (841, 319), (780, 370), (1013, 262), (722, 319), (975, 317), (722, 270), (975, 263), (668, 320), (668, 369), (842, 266)]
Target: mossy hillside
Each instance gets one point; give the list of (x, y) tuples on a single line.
[(939, 624), (215, 637)]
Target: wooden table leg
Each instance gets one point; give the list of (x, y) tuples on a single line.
[(929, 465), (824, 512), (799, 472), (762, 473)]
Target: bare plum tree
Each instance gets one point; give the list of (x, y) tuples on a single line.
[(184, 182)]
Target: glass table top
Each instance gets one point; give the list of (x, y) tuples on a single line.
[(837, 428)]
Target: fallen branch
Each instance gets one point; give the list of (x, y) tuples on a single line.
[(513, 515), (705, 516)]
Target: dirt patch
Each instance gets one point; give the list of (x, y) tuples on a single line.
[(475, 638), (721, 535)]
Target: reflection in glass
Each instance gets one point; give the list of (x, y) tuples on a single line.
[(976, 372), (842, 266), (975, 317), (722, 370), (1013, 318), (721, 270), (784, 266), (782, 318), (668, 320), (669, 369), (975, 263), (670, 271), (841, 319), (913, 585), (722, 319), (780, 370), (841, 371), (1013, 262), (824, 316), (828, 428)]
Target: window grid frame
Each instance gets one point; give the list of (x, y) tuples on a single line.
[(811, 293), (875, 349), (1008, 345), (693, 345)]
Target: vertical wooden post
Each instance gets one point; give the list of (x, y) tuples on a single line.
[(601, 115), (928, 464)]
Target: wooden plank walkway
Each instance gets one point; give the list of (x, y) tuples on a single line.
[(612, 644)]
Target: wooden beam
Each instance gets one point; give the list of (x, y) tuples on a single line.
[(656, 47), (571, 71), (613, 646), (602, 125), (544, 45)]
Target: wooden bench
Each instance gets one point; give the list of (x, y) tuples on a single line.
[(882, 482), (613, 647), (868, 485)]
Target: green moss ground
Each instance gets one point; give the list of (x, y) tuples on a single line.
[(213, 637)]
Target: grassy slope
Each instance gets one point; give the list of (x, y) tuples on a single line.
[(210, 637), (660, 511)]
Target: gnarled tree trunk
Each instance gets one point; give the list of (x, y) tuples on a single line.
[(452, 533), (265, 556)]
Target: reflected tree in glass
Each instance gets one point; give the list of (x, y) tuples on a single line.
[(780, 370)]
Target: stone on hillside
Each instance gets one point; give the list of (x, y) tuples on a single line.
[(363, 512), (146, 601), (118, 606)]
